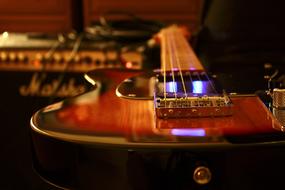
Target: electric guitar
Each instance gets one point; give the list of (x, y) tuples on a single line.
[(167, 128)]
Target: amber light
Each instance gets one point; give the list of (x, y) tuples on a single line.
[(129, 64), (37, 63)]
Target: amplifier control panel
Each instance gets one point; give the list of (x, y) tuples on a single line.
[(27, 52), (85, 60)]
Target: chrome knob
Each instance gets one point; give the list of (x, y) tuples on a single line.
[(278, 98), (202, 175), (278, 103), (22, 58)]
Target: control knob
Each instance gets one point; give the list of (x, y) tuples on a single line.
[(202, 175), (278, 103)]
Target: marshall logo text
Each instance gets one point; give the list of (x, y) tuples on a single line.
[(38, 86)]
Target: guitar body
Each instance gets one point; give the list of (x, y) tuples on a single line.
[(125, 135), (100, 140)]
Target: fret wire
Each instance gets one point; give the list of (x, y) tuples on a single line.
[(190, 52), (178, 61), (186, 46), (173, 41)]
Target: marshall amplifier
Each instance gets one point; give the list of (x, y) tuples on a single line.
[(41, 67), (37, 70)]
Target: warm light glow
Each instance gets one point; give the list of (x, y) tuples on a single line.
[(129, 64), (5, 35), (89, 79), (37, 64), (189, 132)]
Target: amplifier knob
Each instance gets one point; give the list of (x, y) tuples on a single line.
[(12, 57), (22, 57), (39, 57), (77, 58), (64, 58), (57, 58), (47, 59), (3, 57), (202, 175)]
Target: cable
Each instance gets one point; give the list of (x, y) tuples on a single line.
[(131, 27), (47, 56), (69, 62)]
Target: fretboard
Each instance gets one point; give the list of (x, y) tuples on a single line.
[(176, 53)]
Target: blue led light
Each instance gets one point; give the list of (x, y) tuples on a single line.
[(171, 87), (198, 87), (189, 132)]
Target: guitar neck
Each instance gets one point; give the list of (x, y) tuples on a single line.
[(176, 53)]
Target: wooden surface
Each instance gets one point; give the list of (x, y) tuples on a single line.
[(60, 15), (35, 16)]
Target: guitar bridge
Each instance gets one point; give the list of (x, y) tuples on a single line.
[(193, 106)]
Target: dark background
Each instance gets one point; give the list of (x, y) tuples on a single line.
[(231, 36)]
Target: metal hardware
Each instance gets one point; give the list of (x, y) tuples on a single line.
[(202, 175), (193, 106), (279, 98)]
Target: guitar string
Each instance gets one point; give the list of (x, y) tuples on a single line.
[(178, 61), (211, 83), (185, 47), (168, 46), (177, 57), (183, 40), (163, 60), (169, 49)]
